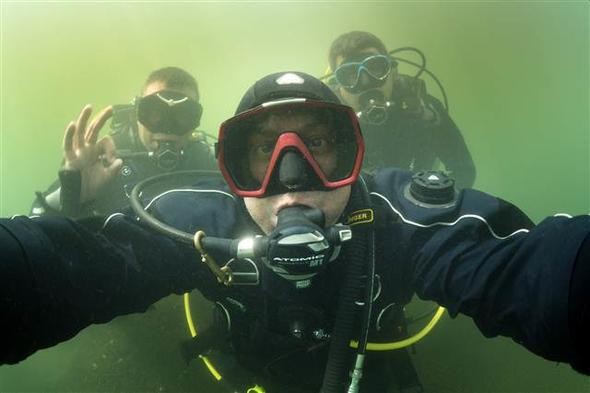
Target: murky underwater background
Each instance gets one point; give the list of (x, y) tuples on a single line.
[(517, 78)]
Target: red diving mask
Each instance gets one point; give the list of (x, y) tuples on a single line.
[(290, 145)]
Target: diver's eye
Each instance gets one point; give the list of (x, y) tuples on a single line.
[(318, 145), (263, 149)]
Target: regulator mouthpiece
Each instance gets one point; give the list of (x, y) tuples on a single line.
[(374, 107), (168, 156), (300, 246)]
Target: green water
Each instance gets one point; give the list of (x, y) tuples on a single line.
[(517, 77)]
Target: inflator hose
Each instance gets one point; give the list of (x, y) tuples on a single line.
[(355, 257)]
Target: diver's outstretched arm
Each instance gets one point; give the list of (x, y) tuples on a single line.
[(532, 286), (579, 308), (58, 276)]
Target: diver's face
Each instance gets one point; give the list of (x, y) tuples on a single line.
[(317, 138), (316, 134), (352, 99), (152, 140)]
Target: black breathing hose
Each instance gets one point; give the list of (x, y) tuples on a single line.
[(421, 68), (369, 288), (358, 249), (370, 281), (144, 216)]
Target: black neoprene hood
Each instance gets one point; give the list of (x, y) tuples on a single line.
[(282, 85)]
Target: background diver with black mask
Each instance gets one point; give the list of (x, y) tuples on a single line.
[(152, 135), (289, 213), (403, 125)]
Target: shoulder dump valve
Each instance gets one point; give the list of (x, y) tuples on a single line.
[(431, 189)]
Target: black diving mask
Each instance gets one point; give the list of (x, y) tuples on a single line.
[(169, 112)]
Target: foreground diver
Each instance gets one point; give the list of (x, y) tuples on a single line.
[(403, 125), (308, 228), (152, 135)]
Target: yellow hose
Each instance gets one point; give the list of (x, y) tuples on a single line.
[(353, 344), (405, 342), (189, 317), (210, 367), (193, 330)]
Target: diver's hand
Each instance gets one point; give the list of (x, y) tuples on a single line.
[(95, 160)]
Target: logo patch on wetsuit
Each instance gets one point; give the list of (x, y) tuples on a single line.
[(364, 216)]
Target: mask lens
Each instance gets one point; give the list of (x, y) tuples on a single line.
[(347, 74), (184, 117), (377, 66), (169, 112), (326, 136)]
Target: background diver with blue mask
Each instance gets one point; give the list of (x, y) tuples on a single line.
[(404, 126), (295, 215), (154, 134)]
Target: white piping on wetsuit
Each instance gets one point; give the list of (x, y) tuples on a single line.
[(161, 195), (106, 222), (187, 190), (474, 216)]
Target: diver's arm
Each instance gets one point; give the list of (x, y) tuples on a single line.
[(451, 148), (62, 198), (47, 202), (58, 276), (517, 283), (579, 308)]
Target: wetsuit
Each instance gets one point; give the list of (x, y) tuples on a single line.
[(418, 132), (135, 341), (115, 196), (479, 256)]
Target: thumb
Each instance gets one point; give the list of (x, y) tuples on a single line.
[(107, 147), (114, 167)]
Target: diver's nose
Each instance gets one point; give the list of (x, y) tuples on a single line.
[(293, 171), (364, 77)]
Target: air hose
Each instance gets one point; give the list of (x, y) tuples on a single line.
[(356, 253)]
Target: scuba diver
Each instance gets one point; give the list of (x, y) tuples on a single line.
[(155, 134), (302, 255), (403, 125)]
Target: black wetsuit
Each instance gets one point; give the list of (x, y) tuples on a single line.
[(115, 196), (418, 132), (480, 256), (120, 356)]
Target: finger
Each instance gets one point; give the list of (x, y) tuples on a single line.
[(97, 124), (107, 149), (69, 153), (81, 127), (114, 168)]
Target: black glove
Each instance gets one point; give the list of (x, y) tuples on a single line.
[(71, 185)]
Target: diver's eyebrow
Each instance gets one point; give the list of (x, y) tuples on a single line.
[(358, 57), (263, 133), (314, 123), (273, 131)]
